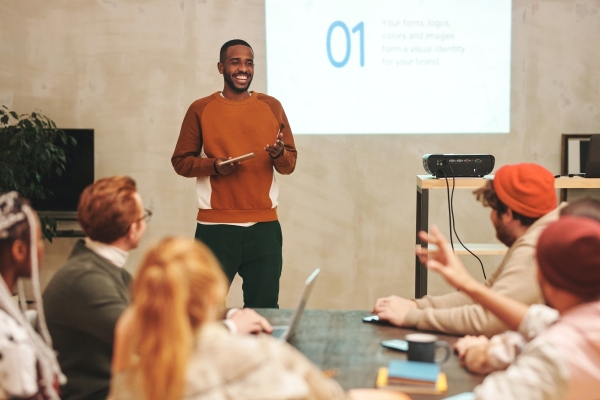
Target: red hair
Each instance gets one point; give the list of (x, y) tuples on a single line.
[(178, 285), (107, 208)]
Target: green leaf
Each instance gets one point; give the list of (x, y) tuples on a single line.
[(30, 151)]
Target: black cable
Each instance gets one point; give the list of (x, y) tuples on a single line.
[(450, 211), (451, 216)]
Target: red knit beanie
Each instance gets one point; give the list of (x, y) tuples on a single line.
[(526, 188), (568, 255)]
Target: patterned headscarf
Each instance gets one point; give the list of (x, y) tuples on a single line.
[(9, 215), (13, 212)]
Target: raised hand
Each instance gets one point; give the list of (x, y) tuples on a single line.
[(276, 148), (443, 260)]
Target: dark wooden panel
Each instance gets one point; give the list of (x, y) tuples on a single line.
[(339, 339)]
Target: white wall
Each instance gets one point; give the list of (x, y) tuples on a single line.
[(129, 70)]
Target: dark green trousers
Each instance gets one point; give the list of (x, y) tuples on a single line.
[(254, 252)]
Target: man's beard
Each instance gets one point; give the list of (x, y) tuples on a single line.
[(232, 86), (503, 235)]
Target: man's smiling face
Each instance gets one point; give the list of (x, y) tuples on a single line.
[(238, 68)]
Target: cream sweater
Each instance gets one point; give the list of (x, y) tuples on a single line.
[(224, 366)]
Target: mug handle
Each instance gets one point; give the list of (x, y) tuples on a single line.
[(441, 343)]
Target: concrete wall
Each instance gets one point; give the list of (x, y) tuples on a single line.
[(129, 70)]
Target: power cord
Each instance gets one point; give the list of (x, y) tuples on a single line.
[(451, 215)]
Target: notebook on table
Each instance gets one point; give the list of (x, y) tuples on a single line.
[(412, 377), (284, 333)]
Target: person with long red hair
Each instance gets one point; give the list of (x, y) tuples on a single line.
[(169, 344)]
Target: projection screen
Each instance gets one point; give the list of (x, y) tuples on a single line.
[(390, 66)]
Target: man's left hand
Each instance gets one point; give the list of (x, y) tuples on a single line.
[(393, 309), (248, 321), (276, 148)]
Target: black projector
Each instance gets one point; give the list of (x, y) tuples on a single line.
[(458, 165)]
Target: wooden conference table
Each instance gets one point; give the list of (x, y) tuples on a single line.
[(338, 339)]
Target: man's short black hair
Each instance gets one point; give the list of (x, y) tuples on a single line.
[(233, 42)]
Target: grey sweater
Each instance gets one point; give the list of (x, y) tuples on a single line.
[(82, 303)]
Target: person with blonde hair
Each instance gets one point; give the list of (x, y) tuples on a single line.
[(168, 344)]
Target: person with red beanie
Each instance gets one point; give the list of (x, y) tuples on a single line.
[(561, 357), (523, 202)]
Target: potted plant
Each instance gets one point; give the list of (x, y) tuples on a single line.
[(30, 150)]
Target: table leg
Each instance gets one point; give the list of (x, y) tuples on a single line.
[(422, 225)]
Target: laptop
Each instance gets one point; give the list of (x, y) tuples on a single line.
[(284, 333)]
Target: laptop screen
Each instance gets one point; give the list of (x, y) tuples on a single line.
[(303, 299)]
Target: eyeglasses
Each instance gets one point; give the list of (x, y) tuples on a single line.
[(146, 216)]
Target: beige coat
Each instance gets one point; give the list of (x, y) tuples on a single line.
[(225, 366), (515, 277)]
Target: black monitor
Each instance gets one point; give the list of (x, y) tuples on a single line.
[(79, 173), (592, 167)]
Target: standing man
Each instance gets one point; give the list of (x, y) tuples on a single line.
[(237, 202)]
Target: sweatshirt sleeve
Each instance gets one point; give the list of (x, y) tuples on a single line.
[(539, 373), (503, 349), (186, 158), (516, 279)]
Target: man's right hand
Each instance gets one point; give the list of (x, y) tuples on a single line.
[(247, 320), (393, 309), (225, 169)]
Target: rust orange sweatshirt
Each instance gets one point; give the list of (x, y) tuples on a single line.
[(216, 127)]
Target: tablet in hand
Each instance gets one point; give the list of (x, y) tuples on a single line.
[(238, 159)]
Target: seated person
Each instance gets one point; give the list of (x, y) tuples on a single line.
[(28, 366), (86, 296), (168, 346), (561, 359), (482, 355), (523, 202)]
